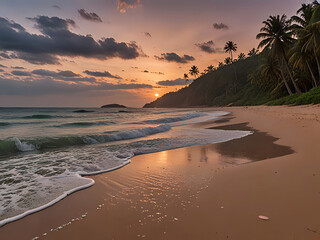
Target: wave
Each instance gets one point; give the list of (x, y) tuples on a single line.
[(39, 116), (91, 161), (14, 145), (83, 124), (175, 119), (4, 124)]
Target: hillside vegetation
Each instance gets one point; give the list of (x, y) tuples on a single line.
[(287, 71), (219, 88)]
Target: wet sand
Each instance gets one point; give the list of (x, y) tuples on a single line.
[(203, 192)]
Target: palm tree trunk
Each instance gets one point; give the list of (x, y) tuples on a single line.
[(313, 78), (291, 77), (285, 82), (317, 60)]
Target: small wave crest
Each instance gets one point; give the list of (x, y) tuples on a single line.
[(84, 124), (175, 119), (13, 145), (39, 116), (4, 124)]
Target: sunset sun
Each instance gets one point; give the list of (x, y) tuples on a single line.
[(157, 94)]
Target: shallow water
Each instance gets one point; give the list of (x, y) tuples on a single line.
[(45, 152)]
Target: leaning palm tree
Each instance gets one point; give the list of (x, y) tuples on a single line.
[(271, 71), (230, 47), (186, 77), (311, 35), (241, 56), (302, 59), (194, 71), (277, 36)]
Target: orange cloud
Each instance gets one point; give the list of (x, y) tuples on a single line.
[(123, 5)]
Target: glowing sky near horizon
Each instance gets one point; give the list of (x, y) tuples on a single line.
[(90, 53)]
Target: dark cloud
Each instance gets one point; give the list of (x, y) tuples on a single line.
[(63, 75), (17, 67), (47, 73), (3, 66), (56, 6), (101, 74), (7, 56), (38, 59), (89, 16), (49, 86), (176, 82), (208, 47), (124, 5), (147, 71), (1, 70), (20, 73), (147, 34), (173, 57), (58, 40), (220, 26)]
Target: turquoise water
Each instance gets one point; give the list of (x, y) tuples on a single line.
[(44, 152)]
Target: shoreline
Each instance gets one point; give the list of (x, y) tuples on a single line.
[(238, 117), (187, 121)]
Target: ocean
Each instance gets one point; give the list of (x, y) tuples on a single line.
[(45, 152)]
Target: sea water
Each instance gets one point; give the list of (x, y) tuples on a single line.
[(45, 152)]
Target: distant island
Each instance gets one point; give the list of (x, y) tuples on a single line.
[(113, 106)]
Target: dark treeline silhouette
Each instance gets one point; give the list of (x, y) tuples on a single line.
[(288, 65)]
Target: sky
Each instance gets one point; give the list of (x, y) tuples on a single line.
[(79, 53)]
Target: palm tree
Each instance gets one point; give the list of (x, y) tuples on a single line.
[(230, 47), (301, 60), (277, 35), (271, 71), (186, 77), (241, 56), (311, 35), (194, 71), (228, 61), (209, 68), (253, 52), (304, 19)]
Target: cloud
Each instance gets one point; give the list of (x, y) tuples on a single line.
[(124, 5), (20, 73), (6, 55), (49, 86), (208, 47), (17, 67), (147, 71), (3, 66), (220, 26), (176, 82), (43, 72), (173, 57), (147, 34), (101, 74), (57, 40), (56, 6), (89, 16)]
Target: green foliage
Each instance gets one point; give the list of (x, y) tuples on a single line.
[(311, 97), (219, 88)]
